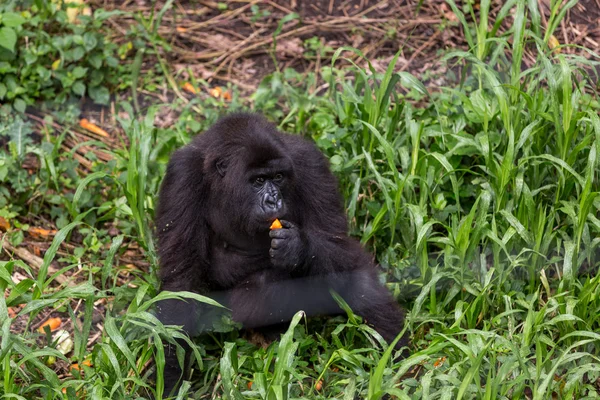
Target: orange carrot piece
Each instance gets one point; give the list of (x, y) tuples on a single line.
[(87, 125), (188, 87), (41, 233), (76, 366), (52, 323), (216, 92)]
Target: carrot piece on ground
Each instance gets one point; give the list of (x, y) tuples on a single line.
[(52, 323), (87, 125)]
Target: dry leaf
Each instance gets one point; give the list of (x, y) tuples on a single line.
[(219, 42), (72, 12), (554, 44), (291, 47), (4, 224), (448, 14)]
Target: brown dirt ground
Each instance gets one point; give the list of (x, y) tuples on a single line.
[(234, 45)]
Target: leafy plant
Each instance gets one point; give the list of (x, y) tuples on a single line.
[(45, 57), (480, 202), (10, 22)]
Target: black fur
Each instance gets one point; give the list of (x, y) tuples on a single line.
[(214, 238)]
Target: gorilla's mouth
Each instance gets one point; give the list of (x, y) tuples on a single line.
[(272, 211)]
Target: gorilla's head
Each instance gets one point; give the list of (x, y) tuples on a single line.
[(250, 175)]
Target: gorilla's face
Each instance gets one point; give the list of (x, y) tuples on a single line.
[(267, 188), (253, 193), (267, 196)]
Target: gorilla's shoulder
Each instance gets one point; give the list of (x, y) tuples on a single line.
[(303, 149)]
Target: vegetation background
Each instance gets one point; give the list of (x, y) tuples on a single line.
[(465, 136)]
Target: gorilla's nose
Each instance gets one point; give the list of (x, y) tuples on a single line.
[(273, 203)]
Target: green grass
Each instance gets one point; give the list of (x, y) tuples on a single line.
[(480, 201)]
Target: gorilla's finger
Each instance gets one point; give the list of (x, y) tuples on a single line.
[(276, 243), (280, 234), (287, 224)]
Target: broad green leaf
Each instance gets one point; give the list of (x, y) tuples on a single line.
[(8, 38), (12, 19)]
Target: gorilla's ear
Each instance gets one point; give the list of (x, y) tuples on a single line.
[(221, 167)]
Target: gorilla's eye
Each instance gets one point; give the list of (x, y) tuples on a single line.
[(259, 181), (278, 177)]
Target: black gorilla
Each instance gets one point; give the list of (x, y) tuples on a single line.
[(219, 197)]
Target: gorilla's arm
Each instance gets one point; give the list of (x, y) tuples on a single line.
[(323, 234), (181, 228), (265, 299), (182, 248)]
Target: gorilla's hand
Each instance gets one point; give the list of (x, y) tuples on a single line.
[(287, 246)]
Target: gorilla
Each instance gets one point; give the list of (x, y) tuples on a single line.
[(217, 201)]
